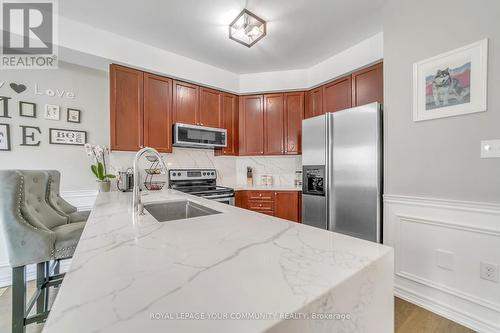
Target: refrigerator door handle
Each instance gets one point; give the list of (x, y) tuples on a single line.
[(329, 170)]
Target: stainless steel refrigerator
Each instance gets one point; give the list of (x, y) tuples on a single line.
[(342, 172)]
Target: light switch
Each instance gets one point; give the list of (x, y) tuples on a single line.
[(445, 259), (490, 149)]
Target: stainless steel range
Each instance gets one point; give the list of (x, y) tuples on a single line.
[(200, 182)]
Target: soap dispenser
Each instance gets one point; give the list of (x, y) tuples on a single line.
[(249, 176)]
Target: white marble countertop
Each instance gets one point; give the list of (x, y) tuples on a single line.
[(245, 187), (136, 274)]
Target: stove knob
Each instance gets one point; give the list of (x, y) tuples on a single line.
[(204, 174), (213, 173)]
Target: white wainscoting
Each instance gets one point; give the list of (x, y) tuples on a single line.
[(83, 200), (470, 231)]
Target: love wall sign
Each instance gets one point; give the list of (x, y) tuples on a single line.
[(20, 88), (29, 134)]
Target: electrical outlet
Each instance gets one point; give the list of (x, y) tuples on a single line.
[(489, 272)]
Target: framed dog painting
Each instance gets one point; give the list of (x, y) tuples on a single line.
[(451, 84)]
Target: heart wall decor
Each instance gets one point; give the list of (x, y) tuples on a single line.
[(18, 88)]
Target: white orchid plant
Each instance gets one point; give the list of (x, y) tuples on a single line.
[(99, 169)]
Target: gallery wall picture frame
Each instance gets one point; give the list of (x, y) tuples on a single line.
[(52, 112), (73, 115), (27, 109), (4, 106), (452, 83), (61, 136), (4, 137)]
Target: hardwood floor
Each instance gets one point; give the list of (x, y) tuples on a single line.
[(409, 318), (6, 307)]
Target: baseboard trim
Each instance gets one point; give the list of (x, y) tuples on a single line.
[(446, 311), (450, 291)]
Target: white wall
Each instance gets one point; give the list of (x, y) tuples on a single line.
[(439, 194), (369, 51), (98, 48), (362, 54), (78, 38), (91, 97)]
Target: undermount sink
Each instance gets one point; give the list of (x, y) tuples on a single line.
[(177, 210)]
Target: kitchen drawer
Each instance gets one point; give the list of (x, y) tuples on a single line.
[(267, 212), (260, 195), (260, 205)]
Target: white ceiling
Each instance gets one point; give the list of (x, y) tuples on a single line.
[(300, 33)]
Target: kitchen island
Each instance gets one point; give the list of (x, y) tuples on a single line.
[(237, 271)]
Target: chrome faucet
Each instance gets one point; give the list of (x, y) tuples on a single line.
[(137, 205)]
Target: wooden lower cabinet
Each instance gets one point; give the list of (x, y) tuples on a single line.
[(282, 204), (286, 205)]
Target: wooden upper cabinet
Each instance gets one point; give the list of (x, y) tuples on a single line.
[(294, 113), (308, 109), (230, 122), (314, 103), (126, 108), (158, 112), (273, 124), (210, 107), (251, 136), (337, 95), (185, 103), (368, 85)]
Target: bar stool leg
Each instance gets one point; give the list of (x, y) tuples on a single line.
[(18, 299), (42, 276), (57, 268)]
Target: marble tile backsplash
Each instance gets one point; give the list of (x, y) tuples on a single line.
[(281, 168), (184, 158), (231, 170)]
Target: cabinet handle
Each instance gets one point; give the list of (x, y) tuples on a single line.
[(201, 124), (260, 194)]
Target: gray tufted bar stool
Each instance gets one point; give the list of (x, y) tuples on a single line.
[(59, 204), (34, 233)]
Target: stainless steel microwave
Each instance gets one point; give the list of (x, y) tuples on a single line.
[(186, 135)]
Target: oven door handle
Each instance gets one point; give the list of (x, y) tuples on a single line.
[(221, 196)]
